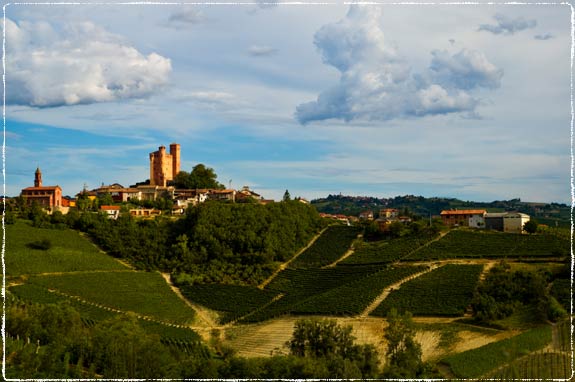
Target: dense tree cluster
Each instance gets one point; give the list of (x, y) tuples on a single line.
[(52, 341), (200, 177), (214, 242), (504, 291), (328, 343)]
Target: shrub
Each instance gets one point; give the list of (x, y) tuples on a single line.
[(43, 244)]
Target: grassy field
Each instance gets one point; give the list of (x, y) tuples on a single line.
[(69, 252), (144, 293)]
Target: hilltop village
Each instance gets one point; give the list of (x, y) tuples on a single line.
[(164, 170), (165, 167)]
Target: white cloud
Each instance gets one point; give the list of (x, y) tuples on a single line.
[(467, 69), (80, 63), (508, 26), (185, 18), (261, 50), (376, 83)]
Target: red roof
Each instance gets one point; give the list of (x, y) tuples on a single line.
[(40, 188), (110, 208), (463, 212)]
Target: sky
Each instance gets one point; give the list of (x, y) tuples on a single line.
[(460, 101)]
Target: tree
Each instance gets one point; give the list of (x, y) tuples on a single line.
[(403, 352), (530, 226), (200, 177), (327, 341), (287, 196)]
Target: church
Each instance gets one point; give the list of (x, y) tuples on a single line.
[(49, 197)]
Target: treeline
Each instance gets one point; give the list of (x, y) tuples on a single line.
[(504, 291), (52, 341), (213, 243)]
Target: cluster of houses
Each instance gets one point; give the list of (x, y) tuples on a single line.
[(163, 169), (500, 221)]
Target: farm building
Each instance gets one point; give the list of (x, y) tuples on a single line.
[(506, 221), (467, 218)]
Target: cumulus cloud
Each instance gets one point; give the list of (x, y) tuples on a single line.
[(261, 51), (78, 64), (185, 18), (507, 26), (545, 36), (376, 83), (467, 69)]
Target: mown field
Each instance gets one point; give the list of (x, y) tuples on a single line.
[(69, 252)]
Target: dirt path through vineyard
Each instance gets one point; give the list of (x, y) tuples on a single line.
[(392, 287), (285, 265), (205, 315)]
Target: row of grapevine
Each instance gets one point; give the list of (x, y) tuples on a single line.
[(353, 298), (465, 244), (144, 293), (233, 300), (388, 251), (478, 362), (536, 366), (189, 347), (298, 285), (446, 291), (329, 247), (92, 314)]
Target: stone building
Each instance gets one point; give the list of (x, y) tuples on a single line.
[(163, 166), (49, 197)]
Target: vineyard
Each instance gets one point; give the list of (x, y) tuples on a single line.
[(329, 247), (387, 251), (69, 252), (353, 298), (446, 291), (298, 285), (478, 362), (243, 299), (470, 244), (143, 293), (92, 314)]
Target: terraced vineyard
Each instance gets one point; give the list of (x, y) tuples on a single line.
[(537, 366), (478, 362), (446, 291), (473, 244), (354, 297), (298, 285), (144, 293), (91, 314), (387, 251), (329, 247), (233, 301)]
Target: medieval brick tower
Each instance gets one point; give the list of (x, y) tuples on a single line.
[(164, 167), (38, 178)]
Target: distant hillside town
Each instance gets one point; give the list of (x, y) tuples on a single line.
[(171, 190), (165, 183)]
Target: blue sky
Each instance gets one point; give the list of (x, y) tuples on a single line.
[(465, 101)]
